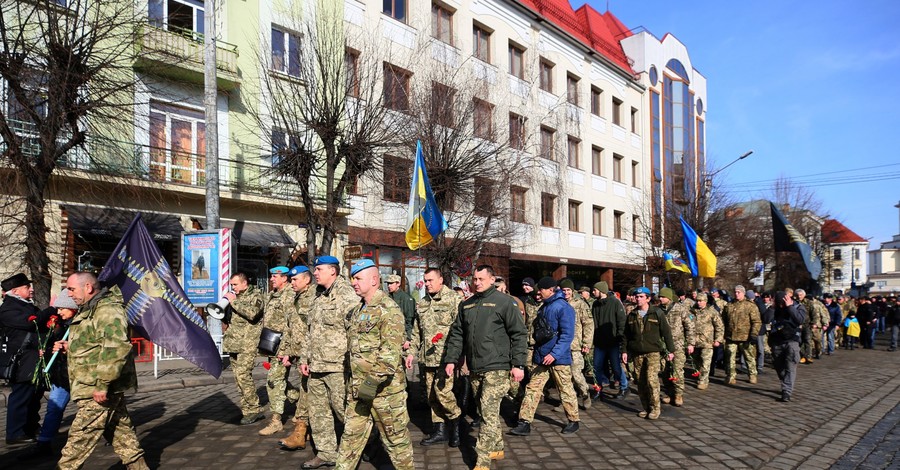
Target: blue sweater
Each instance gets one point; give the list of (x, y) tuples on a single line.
[(561, 318)]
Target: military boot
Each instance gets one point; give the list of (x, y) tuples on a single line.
[(250, 419), (454, 432), (273, 426), (522, 429), (665, 399), (654, 413), (702, 386), (437, 436), (753, 379), (138, 464), (297, 439), (679, 400)]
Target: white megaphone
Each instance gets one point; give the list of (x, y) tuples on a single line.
[(217, 310)]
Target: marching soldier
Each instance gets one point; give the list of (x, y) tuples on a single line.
[(406, 303), (378, 382), (279, 309), (710, 333), (241, 341), (817, 320), (581, 342), (434, 315), (298, 328), (679, 317), (646, 331), (742, 324)]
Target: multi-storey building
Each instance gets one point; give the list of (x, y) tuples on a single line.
[(844, 266), (884, 267)]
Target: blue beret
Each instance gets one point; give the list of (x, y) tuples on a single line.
[(642, 290), (327, 260), (279, 270), (360, 265), (298, 270)]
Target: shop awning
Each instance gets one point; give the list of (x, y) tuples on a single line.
[(111, 222), (256, 234)]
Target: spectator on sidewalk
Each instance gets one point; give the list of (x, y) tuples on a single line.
[(834, 316), (893, 320)]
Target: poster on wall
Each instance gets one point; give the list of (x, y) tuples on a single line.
[(206, 265)]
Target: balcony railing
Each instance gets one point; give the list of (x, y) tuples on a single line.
[(179, 53)]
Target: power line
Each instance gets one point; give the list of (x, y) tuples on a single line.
[(825, 173), (822, 184)]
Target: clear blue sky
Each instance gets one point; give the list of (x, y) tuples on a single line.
[(809, 86)]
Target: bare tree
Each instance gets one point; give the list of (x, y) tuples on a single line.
[(60, 66)]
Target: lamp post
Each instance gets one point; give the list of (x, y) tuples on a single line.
[(707, 188)]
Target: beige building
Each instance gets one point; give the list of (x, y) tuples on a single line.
[(884, 267)]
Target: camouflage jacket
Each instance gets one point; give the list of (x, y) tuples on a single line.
[(298, 323), (741, 321), (720, 305), (817, 313), (584, 324), (434, 315), (682, 324), (688, 302), (408, 307), (100, 357), (375, 333), (325, 347), (245, 327), (532, 307), (708, 327), (279, 308)]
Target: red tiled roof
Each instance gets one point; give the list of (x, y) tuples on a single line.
[(835, 232), (599, 31)]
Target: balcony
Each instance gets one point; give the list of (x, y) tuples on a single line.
[(178, 54)]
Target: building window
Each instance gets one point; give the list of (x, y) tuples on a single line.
[(635, 175), (837, 254), (517, 204), (442, 24), (285, 52), (617, 224), (635, 227), (597, 161), (483, 119), (572, 89), (396, 9), (547, 201), (516, 131), (516, 61), (396, 87), (546, 69), (856, 275), (351, 68), (574, 222), (397, 179), (634, 121), (617, 112), (838, 275), (856, 253), (481, 44), (596, 101), (547, 143), (597, 220), (484, 196), (442, 104), (177, 144), (617, 168), (574, 152), (181, 16)]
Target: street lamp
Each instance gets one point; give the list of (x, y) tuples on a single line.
[(710, 175)]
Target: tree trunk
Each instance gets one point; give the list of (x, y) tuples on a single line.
[(36, 258)]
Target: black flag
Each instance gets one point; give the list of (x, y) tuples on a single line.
[(787, 238)]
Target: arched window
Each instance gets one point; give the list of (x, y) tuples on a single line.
[(676, 66), (838, 275)]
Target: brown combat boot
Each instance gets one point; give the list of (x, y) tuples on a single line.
[(665, 399), (703, 386), (679, 400), (753, 379), (138, 464), (654, 414), (297, 439), (273, 426), (496, 455)]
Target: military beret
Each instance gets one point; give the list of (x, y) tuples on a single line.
[(702, 297), (393, 278), (642, 290), (546, 282), (667, 293), (279, 270), (298, 270), (16, 280), (566, 283), (602, 286), (327, 260), (528, 282), (361, 265)]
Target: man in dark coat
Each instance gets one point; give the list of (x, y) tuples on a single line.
[(19, 318)]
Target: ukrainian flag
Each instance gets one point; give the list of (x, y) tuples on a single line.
[(425, 221), (675, 264), (700, 259)]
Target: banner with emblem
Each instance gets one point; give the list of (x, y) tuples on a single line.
[(155, 303)]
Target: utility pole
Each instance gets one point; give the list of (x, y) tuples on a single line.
[(210, 96)]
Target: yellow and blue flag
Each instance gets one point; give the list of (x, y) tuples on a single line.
[(425, 221), (700, 259), (675, 264)]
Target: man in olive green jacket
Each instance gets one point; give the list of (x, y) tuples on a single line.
[(241, 341), (646, 329)]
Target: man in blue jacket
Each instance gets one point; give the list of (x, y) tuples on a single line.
[(553, 357)]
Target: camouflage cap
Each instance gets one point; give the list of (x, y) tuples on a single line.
[(393, 278), (702, 297)]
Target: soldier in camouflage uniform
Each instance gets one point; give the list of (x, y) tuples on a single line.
[(742, 324), (682, 324), (647, 333), (101, 369), (490, 331), (710, 333), (406, 303), (279, 309), (241, 341), (324, 355), (581, 343), (434, 315), (378, 381), (298, 328), (817, 320)]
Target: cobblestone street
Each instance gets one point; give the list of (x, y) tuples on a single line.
[(844, 414)]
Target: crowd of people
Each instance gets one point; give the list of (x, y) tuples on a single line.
[(352, 343)]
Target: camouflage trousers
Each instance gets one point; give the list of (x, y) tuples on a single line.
[(242, 366), (562, 375), (441, 399), (277, 385), (492, 385), (94, 420), (676, 388), (747, 349), (389, 414), (816, 342), (298, 395), (327, 393), (578, 380), (646, 367), (702, 360), (588, 369), (517, 388), (805, 343)]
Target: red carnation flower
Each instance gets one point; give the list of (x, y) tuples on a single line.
[(32, 318), (52, 321), (695, 374), (267, 366), (437, 338)]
